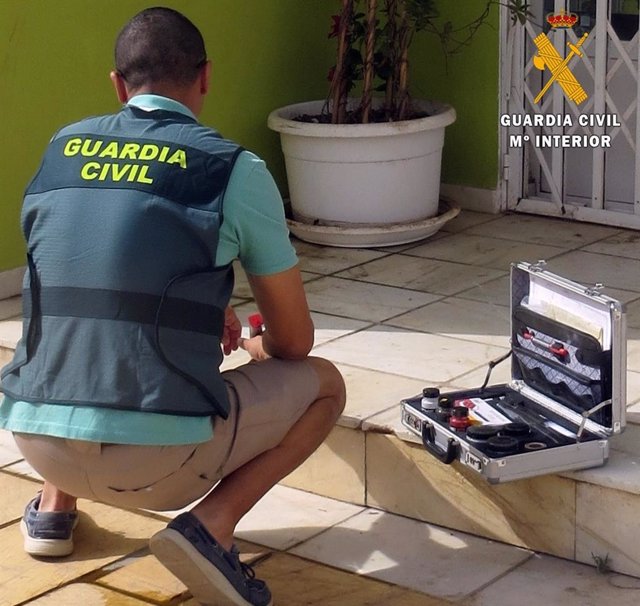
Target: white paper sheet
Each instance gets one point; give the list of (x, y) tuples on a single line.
[(553, 302)]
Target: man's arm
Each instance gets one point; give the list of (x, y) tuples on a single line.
[(288, 325)]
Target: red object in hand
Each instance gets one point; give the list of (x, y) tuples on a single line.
[(256, 324)]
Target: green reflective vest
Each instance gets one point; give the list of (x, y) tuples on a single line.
[(123, 307)]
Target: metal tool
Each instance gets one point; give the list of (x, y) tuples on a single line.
[(556, 347)]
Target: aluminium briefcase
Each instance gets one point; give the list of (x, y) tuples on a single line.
[(566, 397)]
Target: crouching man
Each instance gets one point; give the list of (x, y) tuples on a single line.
[(114, 394)]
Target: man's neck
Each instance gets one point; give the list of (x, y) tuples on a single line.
[(180, 95)]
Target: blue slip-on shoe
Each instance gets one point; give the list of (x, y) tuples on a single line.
[(47, 533), (214, 575)]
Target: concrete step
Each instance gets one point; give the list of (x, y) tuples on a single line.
[(586, 516)]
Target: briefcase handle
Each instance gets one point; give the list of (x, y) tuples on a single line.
[(429, 440)]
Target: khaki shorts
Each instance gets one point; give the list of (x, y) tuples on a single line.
[(267, 398)]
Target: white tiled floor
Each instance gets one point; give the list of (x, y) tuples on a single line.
[(427, 558), (420, 556)]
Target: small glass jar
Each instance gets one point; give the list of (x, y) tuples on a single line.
[(444, 410), (460, 418), (430, 396)]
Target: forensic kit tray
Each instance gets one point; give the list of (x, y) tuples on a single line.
[(567, 393)]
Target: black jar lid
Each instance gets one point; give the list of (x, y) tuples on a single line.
[(431, 392), (516, 429), (482, 432), (503, 445), (460, 412), (445, 402)]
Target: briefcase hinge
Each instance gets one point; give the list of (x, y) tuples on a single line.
[(594, 290)]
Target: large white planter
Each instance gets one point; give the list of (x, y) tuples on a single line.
[(363, 175)]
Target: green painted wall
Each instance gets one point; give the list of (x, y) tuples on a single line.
[(470, 82), (55, 58)]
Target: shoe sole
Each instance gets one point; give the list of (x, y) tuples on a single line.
[(207, 584), (51, 548)]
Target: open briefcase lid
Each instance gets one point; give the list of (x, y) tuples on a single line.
[(569, 348)]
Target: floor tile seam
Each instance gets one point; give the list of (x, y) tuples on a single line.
[(380, 412), (4, 465), (485, 366), (334, 274), (351, 267), (582, 476), (416, 290), (343, 316), (364, 575), (357, 367), (387, 286), (620, 230), (179, 599), (468, 231), (502, 275), (478, 590), (460, 295), (321, 531), (418, 243), (117, 563), (89, 578), (20, 476), (314, 278), (488, 265), (612, 485), (439, 299), (348, 334), (604, 254), (445, 335), (552, 220), (345, 422), (11, 522), (483, 539), (395, 374)]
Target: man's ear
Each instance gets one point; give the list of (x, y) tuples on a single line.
[(205, 78), (120, 86)]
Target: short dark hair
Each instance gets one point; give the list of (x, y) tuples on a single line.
[(159, 45)]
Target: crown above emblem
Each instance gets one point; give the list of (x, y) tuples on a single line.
[(562, 19)]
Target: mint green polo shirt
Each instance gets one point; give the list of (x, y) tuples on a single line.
[(255, 232)]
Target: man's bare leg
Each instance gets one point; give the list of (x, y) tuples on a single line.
[(53, 499), (238, 492)]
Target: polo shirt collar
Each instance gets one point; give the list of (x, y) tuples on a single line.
[(150, 102)]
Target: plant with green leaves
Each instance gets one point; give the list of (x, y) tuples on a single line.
[(374, 37)]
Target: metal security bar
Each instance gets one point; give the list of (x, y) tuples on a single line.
[(585, 164)]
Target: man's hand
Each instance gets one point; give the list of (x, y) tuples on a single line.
[(254, 348), (232, 331), (282, 303)]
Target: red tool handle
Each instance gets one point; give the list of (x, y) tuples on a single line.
[(556, 348)]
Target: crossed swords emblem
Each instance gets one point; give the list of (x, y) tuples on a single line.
[(549, 57)]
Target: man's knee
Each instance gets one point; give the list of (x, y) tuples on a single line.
[(331, 383)]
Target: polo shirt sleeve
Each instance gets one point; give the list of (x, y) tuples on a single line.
[(254, 229)]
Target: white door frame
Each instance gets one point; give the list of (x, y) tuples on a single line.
[(516, 98)]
